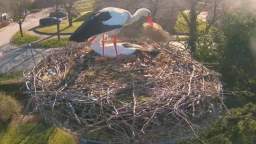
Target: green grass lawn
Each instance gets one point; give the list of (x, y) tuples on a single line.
[(27, 38), (64, 28), (54, 43)]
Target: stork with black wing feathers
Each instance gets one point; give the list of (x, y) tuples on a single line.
[(109, 20)]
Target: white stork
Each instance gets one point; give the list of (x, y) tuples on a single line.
[(109, 20), (124, 48)]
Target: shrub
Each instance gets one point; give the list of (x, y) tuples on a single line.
[(8, 107), (237, 66), (18, 132), (27, 38), (209, 47), (238, 127), (26, 133), (238, 63)]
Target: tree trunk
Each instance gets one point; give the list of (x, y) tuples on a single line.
[(193, 28), (58, 30), (70, 22), (56, 5), (20, 26)]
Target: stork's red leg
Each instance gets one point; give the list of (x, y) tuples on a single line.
[(115, 44), (103, 44), (90, 40)]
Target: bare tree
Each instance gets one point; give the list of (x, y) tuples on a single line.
[(57, 4), (3, 8), (18, 10), (69, 6), (193, 26), (154, 7), (195, 8)]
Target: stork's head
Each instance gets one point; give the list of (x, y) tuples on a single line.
[(144, 12), (140, 13)]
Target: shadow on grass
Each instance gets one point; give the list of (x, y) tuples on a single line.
[(49, 34), (13, 88)]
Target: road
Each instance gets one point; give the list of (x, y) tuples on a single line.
[(31, 21), (20, 58)]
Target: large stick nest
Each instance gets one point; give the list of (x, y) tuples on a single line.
[(127, 95)]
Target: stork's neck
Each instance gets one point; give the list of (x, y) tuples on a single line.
[(134, 18)]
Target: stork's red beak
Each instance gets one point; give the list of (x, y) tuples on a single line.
[(150, 21)]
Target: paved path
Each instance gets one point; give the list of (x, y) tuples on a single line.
[(20, 58), (31, 21)]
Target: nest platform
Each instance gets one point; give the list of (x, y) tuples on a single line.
[(125, 96)]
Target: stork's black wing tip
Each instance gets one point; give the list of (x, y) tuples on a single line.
[(71, 38), (76, 38)]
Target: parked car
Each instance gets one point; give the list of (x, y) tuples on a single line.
[(58, 14), (4, 17), (48, 21)]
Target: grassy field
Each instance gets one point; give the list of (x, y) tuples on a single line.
[(54, 43), (64, 28), (17, 40), (27, 38)]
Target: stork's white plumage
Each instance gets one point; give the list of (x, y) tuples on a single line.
[(108, 20), (118, 16), (122, 47)]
